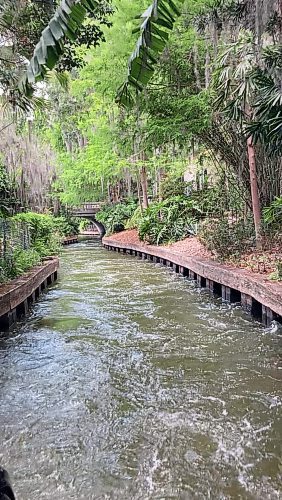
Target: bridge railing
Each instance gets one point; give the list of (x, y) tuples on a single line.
[(87, 208)]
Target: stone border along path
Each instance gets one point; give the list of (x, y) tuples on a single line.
[(19, 294), (258, 297)]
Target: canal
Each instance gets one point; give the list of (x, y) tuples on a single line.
[(126, 382)]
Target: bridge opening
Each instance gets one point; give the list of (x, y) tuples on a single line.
[(89, 211)]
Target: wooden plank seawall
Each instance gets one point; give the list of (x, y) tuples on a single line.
[(70, 240), (17, 295), (257, 295)]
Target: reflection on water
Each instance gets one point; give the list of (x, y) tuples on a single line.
[(126, 383)]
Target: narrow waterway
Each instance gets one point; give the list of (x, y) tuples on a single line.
[(126, 382)]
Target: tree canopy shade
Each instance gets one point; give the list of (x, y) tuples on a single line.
[(64, 24), (156, 22)]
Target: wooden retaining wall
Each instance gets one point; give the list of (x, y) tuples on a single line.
[(258, 296), (70, 240), (18, 295)]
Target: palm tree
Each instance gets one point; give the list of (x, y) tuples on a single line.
[(251, 94)]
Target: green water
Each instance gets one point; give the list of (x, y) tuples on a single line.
[(127, 382)]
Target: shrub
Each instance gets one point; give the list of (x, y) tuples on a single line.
[(83, 224), (45, 238), (277, 275), (24, 260), (115, 217), (26, 238), (135, 219), (170, 220), (66, 225), (224, 238), (209, 200), (272, 215), (173, 187)]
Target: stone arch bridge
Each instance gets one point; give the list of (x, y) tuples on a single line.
[(89, 211)]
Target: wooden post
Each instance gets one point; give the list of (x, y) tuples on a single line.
[(230, 295), (201, 282), (246, 302), (8, 319), (267, 315)]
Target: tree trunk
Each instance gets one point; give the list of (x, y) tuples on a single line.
[(119, 191), (161, 177), (56, 206), (144, 186), (115, 193), (128, 182), (254, 192), (139, 194), (109, 193), (196, 67), (207, 68)]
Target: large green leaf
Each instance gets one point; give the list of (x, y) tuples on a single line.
[(67, 19), (156, 22)]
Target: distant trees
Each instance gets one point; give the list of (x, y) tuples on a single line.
[(202, 88)]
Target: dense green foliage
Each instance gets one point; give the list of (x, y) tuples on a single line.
[(115, 217), (170, 220), (44, 238), (66, 225), (50, 34), (176, 118), (273, 213), (7, 198), (27, 238), (225, 238)]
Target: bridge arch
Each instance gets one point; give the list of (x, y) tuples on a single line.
[(89, 211), (99, 226)]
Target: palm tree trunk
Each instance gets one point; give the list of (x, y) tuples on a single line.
[(255, 192)]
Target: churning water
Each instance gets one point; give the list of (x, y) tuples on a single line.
[(126, 382)]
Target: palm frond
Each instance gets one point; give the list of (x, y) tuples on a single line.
[(156, 22), (64, 24)]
